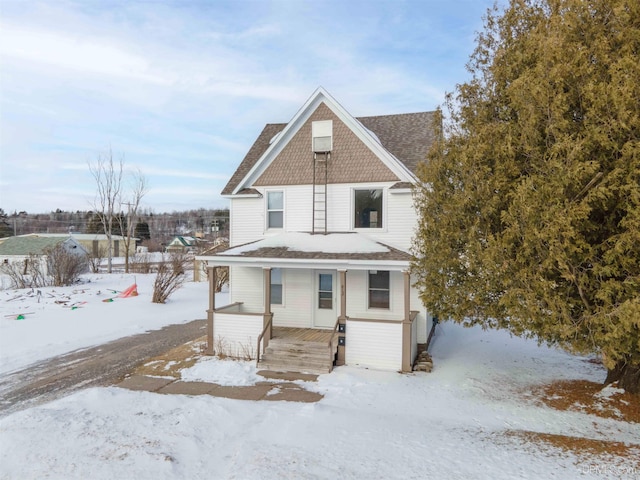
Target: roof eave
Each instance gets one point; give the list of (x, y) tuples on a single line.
[(304, 263)]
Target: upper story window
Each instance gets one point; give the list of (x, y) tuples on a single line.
[(379, 289), (322, 136), (367, 208), (275, 209)]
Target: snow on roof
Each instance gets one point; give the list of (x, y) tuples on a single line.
[(306, 242)]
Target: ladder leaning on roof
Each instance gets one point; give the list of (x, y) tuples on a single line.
[(320, 169)]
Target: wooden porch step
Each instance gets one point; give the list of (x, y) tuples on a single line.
[(297, 353), (316, 368), (291, 351), (297, 345)]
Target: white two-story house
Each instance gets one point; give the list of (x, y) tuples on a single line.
[(321, 220)]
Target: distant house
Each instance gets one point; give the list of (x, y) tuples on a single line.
[(183, 244), (20, 249), (320, 232), (94, 243)]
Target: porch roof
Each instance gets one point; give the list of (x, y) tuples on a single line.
[(303, 250)]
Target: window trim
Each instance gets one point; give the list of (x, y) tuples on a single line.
[(369, 307), (267, 210), (383, 218)]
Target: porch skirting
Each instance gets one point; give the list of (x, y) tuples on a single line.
[(236, 333), (380, 343)]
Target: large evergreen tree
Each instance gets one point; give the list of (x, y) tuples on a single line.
[(529, 203)]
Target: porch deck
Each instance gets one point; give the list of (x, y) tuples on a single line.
[(302, 334)]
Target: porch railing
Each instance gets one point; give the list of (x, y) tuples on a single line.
[(265, 344), (331, 340)]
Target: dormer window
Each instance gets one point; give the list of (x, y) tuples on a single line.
[(367, 208), (275, 209)]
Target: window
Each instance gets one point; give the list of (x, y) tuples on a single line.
[(275, 209), (368, 208), (325, 291), (321, 136), (276, 286), (378, 289)]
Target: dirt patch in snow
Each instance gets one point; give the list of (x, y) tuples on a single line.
[(586, 449), (589, 397), (170, 364)]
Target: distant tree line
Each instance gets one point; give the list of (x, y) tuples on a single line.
[(158, 227)]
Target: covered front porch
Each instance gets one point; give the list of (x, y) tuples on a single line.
[(316, 306)]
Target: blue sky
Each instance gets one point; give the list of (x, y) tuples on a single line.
[(181, 89)]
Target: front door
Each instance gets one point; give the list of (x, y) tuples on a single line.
[(325, 299)]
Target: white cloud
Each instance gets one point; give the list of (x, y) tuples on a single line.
[(80, 54), (191, 84)]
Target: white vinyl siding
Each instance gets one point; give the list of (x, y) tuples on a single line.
[(338, 208), (401, 221), (374, 345), (247, 286), (237, 335), (298, 208), (399, 218), (298, 294), (247, 216)]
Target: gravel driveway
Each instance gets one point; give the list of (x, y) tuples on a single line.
[(91, 367)]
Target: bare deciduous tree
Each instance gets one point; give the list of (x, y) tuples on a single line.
[(59, 267), (28, 273), (108, 176), (65, 267), (222, 275), (139, 186), (95, 259), (170, 277)]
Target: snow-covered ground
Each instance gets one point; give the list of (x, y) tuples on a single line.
[(457, 422), (62, 319)]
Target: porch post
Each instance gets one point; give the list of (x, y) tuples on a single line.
[(342, 319), (212, 306), (406, 324), (267, 304)]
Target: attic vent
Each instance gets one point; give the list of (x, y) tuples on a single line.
[(322, 136)]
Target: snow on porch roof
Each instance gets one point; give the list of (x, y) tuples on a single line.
[(300, 247)]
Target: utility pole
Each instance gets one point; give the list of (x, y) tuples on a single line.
[(128, 242)]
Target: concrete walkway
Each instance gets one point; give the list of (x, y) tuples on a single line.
[(281, 389)]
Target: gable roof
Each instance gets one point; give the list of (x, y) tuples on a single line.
[(33, 245), (183, 241), (402, 140)]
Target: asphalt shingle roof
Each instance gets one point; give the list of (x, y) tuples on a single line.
[(407, 136), (28, 245)]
